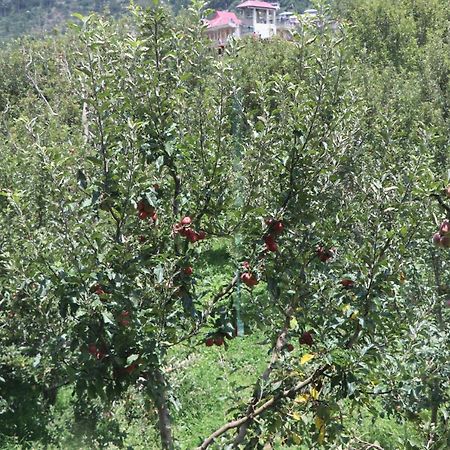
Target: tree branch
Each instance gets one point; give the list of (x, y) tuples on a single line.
[(287, 393)]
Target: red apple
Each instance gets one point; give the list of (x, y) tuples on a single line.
[(218, 340), (249, 279), (186, 220), (124, 318), (246, 265), (445, 241), (143, 214), (99, 290), (445, 227), (437, 239), (191, 235), (92, 349), (201, 235), (277, 227), (188, 270), (289, 347), (347, 282), (306, 338), (271, 245), (209, 342)]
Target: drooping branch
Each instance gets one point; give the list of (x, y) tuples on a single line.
[(287, 393), (258, 392)]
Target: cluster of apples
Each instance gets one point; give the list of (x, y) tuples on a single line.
[(145, 210), (276, 227), (442, 237), (248, 277), (306, 338), (216, 340), (324, 254), (124, 318), (183, 228), (98, 289)]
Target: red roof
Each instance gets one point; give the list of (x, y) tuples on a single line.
[(256, 4), (222, 18)]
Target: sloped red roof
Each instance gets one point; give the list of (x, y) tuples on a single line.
[(256, 4), (221, 18)]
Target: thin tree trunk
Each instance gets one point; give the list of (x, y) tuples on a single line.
[(158, 390)]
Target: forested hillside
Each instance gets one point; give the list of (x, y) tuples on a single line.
[(19, 17)]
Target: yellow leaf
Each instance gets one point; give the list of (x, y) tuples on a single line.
[(314, 394), (296, 439), (302, 398), (354, 316), (320, 425), (345, 308), (319, 422), (296, 415), (306, 357), (293, 323)]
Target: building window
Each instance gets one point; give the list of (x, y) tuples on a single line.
[(261, 16)]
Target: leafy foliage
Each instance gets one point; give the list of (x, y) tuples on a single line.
[(155, 194)]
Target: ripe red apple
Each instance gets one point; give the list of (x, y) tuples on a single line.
[(209, 342), (445, 241), (324, 254), (271, 245), (191, 235), (218, 340), (188, 270), (124, 318), (186, 220), (248, 279), (277, 227), (99, 290), (245, 277), (437, 239), (143, 214), (289, 347), (201, 235), (445, 227), (141, 205), (306, 338), (347, 283), (92, 349)]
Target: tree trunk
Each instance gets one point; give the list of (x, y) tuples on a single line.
[(158, 390)]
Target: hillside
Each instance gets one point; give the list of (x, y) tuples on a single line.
[(20, 17)]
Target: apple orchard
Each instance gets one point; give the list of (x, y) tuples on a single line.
[(143, 154)]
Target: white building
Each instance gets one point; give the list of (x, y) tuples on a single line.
[(258, 17), (253, 17)]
